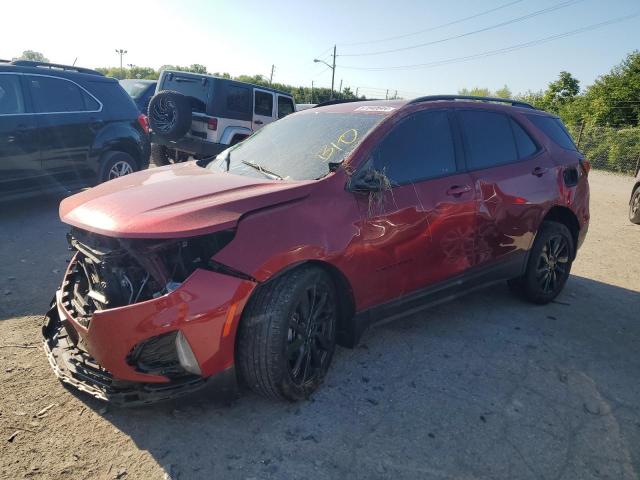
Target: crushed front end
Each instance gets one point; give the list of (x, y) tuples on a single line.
[(137, 321)]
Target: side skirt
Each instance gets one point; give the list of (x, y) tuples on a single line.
[(470, 281)]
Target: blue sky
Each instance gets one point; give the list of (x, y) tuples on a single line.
[(250, 36)]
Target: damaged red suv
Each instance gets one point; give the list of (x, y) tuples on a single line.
[(258, 263)]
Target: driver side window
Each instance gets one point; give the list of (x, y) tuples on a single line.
[(420, 147)]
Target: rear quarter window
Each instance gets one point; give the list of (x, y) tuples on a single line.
[(489, 138), (554, 129)]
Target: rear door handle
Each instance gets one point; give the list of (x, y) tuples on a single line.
[(539, 171), (457, 190), (258, 122)]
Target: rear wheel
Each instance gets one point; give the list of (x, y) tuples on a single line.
[(548, 266), (160, 155), (287, 335), (634, 207), (116, 164)]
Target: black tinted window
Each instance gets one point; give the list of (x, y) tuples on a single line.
[(11, 100), (238, 99), (264, 104), (285, 106), (489, 139), (526, 146), (554, 129), (418, 148), (56, 95)]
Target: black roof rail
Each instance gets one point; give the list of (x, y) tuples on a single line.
[(57, 66), (435, 98), (2, 60), (343, 100)]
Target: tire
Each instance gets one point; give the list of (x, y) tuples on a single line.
[(634, 207), (160, 155), (546, 275), (170, 114), (278, 354), (116, 164)]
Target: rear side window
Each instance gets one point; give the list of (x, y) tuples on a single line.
[(418, 148), (263, 103), (11, 100), (526, 146), (55, 95), (285, 106), (489, 139), (238, 99), (554, 129)]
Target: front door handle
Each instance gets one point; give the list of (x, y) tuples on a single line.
[(539, 171), (457, 190), (258, 122)]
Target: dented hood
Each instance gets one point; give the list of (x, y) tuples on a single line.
[(175, 201)]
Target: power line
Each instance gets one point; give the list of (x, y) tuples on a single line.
[(466, 34), (500, 51), (433, 28)]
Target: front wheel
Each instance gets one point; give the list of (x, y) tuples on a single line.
[(634, 207), (116, 164), (287, 335), (548, 266)]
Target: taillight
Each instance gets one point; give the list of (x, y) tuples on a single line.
[(585, 165), (212, 124), (144, 122)]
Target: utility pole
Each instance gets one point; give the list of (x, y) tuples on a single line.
[(357, 88), (340, 90), (395, 95), (121, 52), (386, 95), (273, 67), (333, 70), (311, 91)]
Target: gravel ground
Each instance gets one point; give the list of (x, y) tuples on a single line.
[(484, 387)]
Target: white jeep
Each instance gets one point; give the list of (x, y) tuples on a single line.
[(201, 115)]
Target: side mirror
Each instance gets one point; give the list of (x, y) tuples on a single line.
[(369, 180)]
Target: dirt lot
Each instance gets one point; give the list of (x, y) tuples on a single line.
[(485, 387)]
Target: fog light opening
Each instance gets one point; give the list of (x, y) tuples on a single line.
[(185, 355)]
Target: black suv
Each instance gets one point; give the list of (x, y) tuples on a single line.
[(65, 127)]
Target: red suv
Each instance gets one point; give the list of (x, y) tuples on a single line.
[(258, 263)]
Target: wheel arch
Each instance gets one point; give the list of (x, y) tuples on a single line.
[(633, 191), (346, 331), (565, 216)]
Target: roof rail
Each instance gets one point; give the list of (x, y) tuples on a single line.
[(435, 98), (57, 66), (2, 60), (343, 100)]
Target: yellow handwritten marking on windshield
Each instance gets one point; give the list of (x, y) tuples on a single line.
[(347, 138)]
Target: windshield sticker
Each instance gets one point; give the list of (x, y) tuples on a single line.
[(374, 108), (347, 138)]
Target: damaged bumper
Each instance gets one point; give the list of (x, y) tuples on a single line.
[(126, 355)]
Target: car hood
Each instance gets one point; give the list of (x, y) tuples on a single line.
[(174, 201)]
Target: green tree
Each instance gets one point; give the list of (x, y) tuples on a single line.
[(475, 92), (33, 56), (503, 92), (561, 92)]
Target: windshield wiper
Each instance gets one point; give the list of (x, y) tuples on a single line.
[(263, 170)]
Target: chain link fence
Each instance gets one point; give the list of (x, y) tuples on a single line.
[(616, 149)]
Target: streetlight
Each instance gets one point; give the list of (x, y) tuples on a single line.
[(121, 52), (332, 67)]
